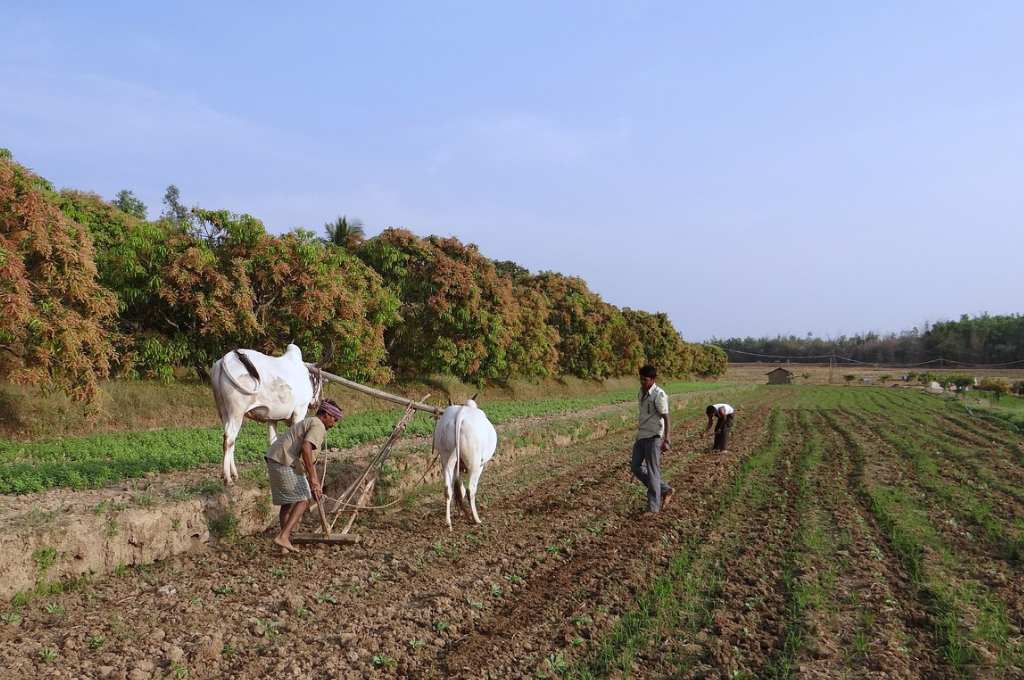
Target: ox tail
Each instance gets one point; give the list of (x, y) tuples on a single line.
[(459, 417), (247, 362), (249, 368), (215, 372)]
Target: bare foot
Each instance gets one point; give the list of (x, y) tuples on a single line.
[(667, 498), (285, 545)]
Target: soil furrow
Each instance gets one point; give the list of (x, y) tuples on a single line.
[(866, 623)]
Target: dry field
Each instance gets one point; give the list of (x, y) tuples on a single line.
[(848, 532), (818, 374)]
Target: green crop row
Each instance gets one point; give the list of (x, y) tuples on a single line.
[(95, 460), (681, 598)]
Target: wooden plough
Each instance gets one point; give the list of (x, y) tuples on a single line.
[(357, 495)]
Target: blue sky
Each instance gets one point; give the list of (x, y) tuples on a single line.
[(748, 168)]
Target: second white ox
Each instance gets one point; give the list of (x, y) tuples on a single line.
[(250, 384), (463, 433)]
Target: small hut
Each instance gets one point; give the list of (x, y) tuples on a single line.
[(780, 376)]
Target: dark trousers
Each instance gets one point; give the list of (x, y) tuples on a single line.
[(722, 428), (646, 466)]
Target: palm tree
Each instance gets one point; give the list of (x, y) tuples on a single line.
[(345, 232)]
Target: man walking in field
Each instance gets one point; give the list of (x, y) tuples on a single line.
[(290, 467), (723, 414), (651, 440)]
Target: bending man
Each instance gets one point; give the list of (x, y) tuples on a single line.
[(722, 414), (290, 467)]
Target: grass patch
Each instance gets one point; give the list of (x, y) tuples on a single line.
[(224, 527), (95, 460)]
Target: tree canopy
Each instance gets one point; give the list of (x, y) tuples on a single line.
[(91, 286)]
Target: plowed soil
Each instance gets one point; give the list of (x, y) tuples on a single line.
[(775, 559)]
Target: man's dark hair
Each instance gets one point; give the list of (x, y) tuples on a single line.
[(648, 371), (710, 410)]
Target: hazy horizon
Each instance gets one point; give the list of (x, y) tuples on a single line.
[(751, 170)]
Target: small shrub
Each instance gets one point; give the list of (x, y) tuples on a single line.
[(44, 558), (224, 527), (48, 654), (326, 598), (996, 386)]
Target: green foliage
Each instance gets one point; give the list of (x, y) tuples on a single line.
[(595, 339), (91, 287), (225, 526), (981, 339), (95, 460), (345, 233), (129, 203), (189, 289), (997, 386), (661, 344), (959, 380), (174, 212), (458, 316), (44, 558), (711, 361)]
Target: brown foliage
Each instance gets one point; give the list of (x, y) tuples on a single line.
[(56, 327)]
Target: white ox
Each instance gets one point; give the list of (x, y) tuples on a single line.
[(463, 433), (268, 390)]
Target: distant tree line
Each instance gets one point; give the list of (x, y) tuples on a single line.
[(984, 339), (92, 288)]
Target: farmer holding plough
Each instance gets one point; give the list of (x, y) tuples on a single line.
[(290, 467)]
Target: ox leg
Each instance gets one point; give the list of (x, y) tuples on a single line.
[(449, 469), (231, 430), (461, 496), (474, 479)]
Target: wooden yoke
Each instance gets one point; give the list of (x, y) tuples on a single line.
[(379, 394)]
